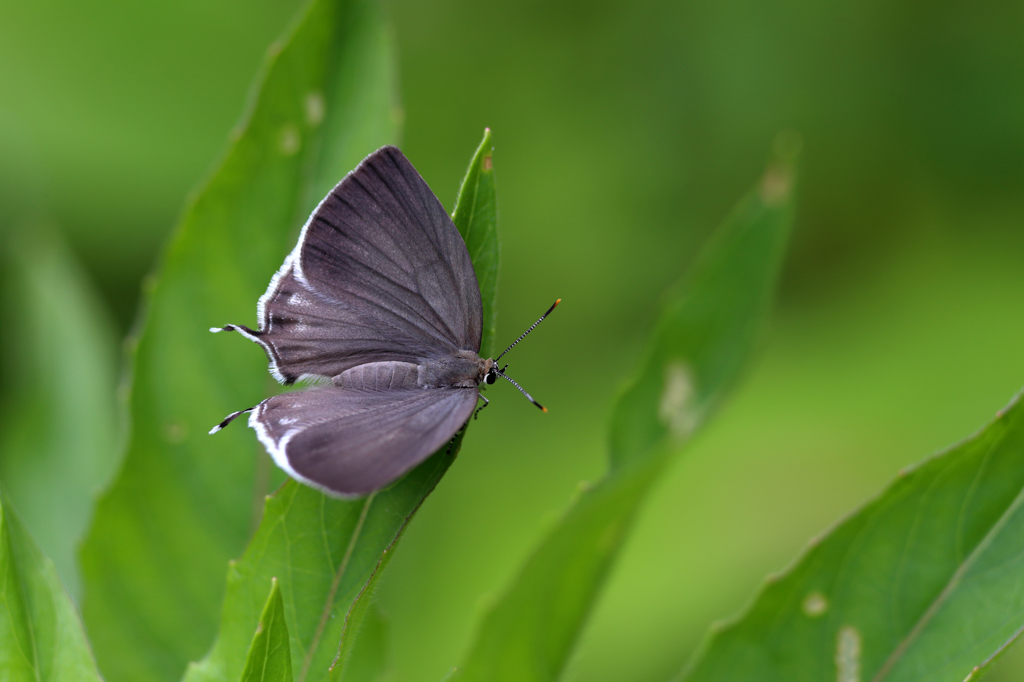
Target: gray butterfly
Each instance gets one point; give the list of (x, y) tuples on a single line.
[(379, 298)]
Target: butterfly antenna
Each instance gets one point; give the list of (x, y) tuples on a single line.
[(528, 396), (532, 327)]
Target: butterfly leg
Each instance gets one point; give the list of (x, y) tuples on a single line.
[(486, 403)]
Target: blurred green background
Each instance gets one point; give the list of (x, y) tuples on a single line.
[(624, 132)]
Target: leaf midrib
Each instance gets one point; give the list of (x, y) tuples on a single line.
[(952, 585)]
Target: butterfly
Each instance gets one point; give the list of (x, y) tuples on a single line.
[(378, 301)]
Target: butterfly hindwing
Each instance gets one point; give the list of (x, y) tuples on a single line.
[(353, 441)]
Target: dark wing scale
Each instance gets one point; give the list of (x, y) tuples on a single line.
[(380, 273), (306, 335), (383, 221), (352, 442)]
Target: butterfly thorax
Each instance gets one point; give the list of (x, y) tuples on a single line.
[(464, 369)]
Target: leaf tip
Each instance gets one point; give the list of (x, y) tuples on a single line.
[(486, 163), (777, 182)]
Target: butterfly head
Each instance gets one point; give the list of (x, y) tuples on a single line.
[(493, 373)]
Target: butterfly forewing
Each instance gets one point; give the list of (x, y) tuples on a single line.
[(306, 335), (380, 273)]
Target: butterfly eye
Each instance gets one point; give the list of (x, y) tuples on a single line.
[(490, 378)]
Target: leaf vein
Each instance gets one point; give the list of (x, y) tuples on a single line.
[(329, 601)]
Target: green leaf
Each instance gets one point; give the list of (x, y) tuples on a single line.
[(362, 651), (58, 431), (476, 216), (922, 583), (185, 502), (41, 636), (270, 658), (366, 659), (328, 555), (711, 323), (324, 552), (701, 343)]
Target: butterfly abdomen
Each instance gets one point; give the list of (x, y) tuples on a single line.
[(464, 369), (380, 376)]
